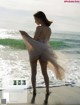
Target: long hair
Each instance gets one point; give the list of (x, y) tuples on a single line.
[(43, 17)]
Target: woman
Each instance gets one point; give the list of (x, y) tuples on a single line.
[(39, 49)]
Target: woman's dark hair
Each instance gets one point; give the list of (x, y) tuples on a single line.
[(43, 17)]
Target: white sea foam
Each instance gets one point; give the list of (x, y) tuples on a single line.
[(15, 63)]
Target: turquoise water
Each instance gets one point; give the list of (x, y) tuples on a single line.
[(72, 41)]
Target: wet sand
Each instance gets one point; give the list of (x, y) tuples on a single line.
[(58, 96), (64, 95)]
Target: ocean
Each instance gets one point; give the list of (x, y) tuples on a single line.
[(15, 63)]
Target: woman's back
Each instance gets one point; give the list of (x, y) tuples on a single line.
[(42, 34)]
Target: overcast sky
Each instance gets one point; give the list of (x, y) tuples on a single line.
[(18, 14)]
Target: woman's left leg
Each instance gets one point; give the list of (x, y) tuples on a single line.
[(33, 74)]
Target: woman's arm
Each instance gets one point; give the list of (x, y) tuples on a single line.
[(25, 34), (22, 32), (37, 33)]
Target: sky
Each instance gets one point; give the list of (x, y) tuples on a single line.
[(18, 14)]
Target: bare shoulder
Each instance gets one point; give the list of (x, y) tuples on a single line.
[(38, 28), (43, 28)]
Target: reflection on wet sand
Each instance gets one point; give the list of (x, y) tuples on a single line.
[(45, 100)]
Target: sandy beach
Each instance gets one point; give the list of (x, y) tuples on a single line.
[(64, 95)]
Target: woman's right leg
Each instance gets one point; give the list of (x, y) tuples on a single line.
[(33, 64)]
